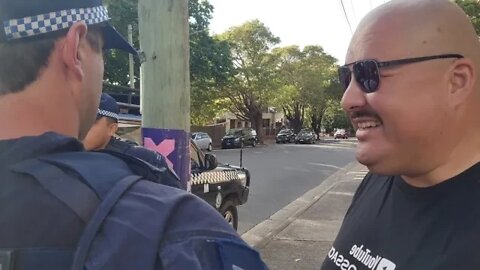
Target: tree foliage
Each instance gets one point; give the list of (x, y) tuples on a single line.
[(252, 87), (123, 13), (335, 117), (306, 78), (210, 65), (210, 61), (472, 8)]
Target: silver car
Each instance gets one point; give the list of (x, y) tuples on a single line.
[(202, 140)]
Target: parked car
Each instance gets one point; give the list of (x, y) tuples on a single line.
[(222, 186), (239, 138), (202, 140), (285, 135), (340, 134), (305, 136)]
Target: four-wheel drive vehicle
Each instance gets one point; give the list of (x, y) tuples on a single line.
[(202, 140), (285, 136), (305, 136), (239, 138), (221, 185)]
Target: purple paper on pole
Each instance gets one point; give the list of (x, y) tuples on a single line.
[(174, 145)]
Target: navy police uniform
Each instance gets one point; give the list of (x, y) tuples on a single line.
[(130, 150), (64, 208), (175, 229), (109, 108)]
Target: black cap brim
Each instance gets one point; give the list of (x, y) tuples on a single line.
[(115, 40)]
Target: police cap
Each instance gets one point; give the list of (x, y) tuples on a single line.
[(34, 19), (108, 107)]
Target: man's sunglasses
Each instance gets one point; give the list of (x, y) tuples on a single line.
[(367, 72)]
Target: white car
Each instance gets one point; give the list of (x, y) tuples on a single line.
[(341, 134), (202, 140)]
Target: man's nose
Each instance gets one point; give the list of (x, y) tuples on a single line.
[(353, 97)]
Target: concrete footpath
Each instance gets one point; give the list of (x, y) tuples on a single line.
[(300, 235)]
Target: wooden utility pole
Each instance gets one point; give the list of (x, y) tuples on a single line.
[(165, 82)]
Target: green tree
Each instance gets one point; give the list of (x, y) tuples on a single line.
[(320, 78), (310, 75), (210, 61), (290, 96), (472, 8), (210, 65), (252, 87), (335, 117), (123, 13)]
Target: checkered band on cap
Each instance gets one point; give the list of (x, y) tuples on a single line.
[(53, 21), (107, 114)]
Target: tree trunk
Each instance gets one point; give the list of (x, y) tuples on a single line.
[(316, 125), (296, 120), (296, 124), (257, 124)]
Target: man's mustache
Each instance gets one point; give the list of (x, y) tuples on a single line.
[(364, 113)]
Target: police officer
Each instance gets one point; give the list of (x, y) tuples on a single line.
[(101, 137), (101, 134), (62, 207)]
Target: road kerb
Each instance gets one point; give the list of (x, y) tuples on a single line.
[(261, 234)]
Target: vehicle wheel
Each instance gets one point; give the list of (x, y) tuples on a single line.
[(209, 149), (230, 213), (254, 143)]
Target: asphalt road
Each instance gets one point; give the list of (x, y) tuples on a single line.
[(282, 173)]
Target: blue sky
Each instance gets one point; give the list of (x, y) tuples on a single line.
[(297, 22)]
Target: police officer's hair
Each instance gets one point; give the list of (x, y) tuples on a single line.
[(22, 61), (109, 120)]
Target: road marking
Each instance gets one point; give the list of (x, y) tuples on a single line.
[(325, 146), (342, 193), (287, 168), (358, 173), (326, 165)]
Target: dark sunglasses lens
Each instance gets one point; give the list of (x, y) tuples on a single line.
[(366, 74), (345, 76)]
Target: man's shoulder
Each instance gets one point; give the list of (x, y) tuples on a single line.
[(179, 228), (187, 214), (131, 148), (370, 185)]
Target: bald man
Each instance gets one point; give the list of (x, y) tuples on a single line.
[(412, 93)]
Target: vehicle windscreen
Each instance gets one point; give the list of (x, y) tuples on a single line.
[(234, 132)]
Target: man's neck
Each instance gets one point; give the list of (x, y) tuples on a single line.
[(463, 157), (28, 113)]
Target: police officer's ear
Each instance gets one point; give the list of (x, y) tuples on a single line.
[(112, 128), (73, 53)]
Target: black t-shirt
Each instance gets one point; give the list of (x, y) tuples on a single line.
[(394, 226)]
